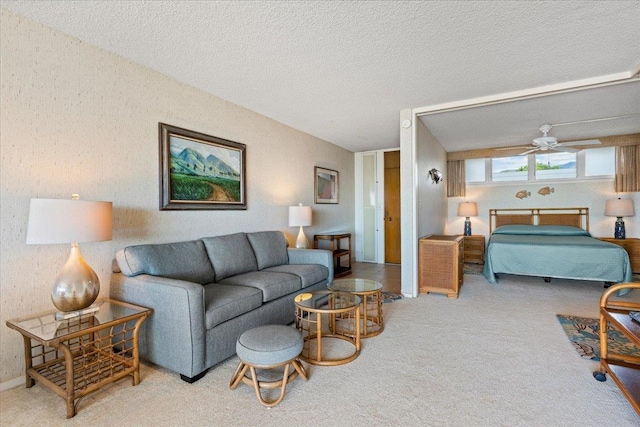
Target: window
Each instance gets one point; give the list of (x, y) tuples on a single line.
[(543, 165), (474, 170), (555, 165), (509, 169), (600, 161)]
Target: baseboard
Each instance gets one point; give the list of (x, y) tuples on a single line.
[(16, 382)]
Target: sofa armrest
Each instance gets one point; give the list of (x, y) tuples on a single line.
[(312, 256), (174, 335)]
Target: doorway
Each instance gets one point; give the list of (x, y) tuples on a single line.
[(377, 202), (392, 217)]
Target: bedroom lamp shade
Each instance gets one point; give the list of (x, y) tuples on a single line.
[(619, 208), (55, 221), (300, 216), (467, 209)]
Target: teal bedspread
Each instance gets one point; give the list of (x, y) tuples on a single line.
[(567, 256)]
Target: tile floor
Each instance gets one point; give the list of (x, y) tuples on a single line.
[(387, 274)]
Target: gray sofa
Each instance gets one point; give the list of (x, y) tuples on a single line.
[(205, 293)]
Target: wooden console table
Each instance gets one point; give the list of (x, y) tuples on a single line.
[(624, 369), (77, 356), (334, 239)]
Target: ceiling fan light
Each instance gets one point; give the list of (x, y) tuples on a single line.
[(545, 140)]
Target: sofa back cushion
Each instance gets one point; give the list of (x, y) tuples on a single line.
[(270, 248), (230, 255), (181, 260)]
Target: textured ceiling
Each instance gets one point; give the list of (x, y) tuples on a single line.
[(342, 71)]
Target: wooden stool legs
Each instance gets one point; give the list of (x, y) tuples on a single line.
[(240, 375)]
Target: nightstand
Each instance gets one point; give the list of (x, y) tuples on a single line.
[(632, 246), (474, 249)]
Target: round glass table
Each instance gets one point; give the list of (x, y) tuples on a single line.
[(321, 316), (370, 292)]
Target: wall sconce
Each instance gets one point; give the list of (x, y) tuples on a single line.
[(436, 176), (467, 209), (619, 208)]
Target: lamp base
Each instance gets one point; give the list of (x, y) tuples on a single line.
[(76, 286), (66, 315), (619, 232), (301, 241), (467, 227)]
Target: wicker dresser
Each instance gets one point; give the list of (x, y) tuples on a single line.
[(441, 264)]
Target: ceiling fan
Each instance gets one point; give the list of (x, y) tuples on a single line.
[(550, 143)]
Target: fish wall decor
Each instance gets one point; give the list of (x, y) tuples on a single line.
[(523, 194), (545, 191)]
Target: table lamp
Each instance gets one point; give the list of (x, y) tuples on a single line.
[(53, 221), (300, 216), (619, 208), (467, 209)]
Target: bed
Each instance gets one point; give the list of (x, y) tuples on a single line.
[(551, 243)]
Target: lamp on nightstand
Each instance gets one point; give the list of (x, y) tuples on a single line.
[(619, 208), (467, 209), (300, 216), (71, 221)]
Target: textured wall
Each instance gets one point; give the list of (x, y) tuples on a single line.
[(77, 119), (432, 198), (590, 194)]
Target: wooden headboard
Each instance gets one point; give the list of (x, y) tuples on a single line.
[(576, 217)]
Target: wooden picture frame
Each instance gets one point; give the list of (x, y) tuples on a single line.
[(325, 185), (200, 172)]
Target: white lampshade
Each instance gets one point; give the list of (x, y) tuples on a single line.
[(467, 209), (619, 207), (299, 216), (69, 221)]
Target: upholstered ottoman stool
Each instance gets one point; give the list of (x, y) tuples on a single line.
[(268, 347)]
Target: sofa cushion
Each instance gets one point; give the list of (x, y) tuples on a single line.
[(181, 260), (224, 302), (309, 274), (230, 255), (269, 247), (272, 284)]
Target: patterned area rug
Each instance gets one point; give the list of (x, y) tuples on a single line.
[(584, 334), (388, 297)]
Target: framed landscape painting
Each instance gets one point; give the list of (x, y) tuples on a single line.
[(199, 171), (326, 185)]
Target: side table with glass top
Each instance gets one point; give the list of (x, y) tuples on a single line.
[(77, 356), (370, 292), (318, 331)]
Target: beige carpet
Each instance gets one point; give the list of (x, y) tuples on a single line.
[(496, 356)]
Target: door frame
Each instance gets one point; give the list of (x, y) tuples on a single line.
[(379, 205)]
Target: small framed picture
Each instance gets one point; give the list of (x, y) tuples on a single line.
[(199, 171), (326, 185)]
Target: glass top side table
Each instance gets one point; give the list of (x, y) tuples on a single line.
[(370, 292), (321, 316), (76, 356)]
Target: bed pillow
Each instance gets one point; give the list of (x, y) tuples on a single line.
[(542, 230)]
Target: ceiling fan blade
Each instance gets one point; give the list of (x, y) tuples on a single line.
[(529, 151), (583, 142), (564, 149), (513, 148)]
